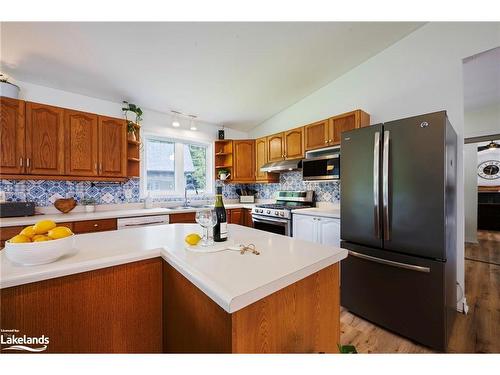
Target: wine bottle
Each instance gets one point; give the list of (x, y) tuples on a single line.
[(220, 229)]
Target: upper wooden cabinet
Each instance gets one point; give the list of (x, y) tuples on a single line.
[(244, 160), (40, 141), (294, 143), (275, 147), (81, 143), (317, 134), (112, 147), (44, 139), (347, 121), (261, 158), (328, 132), (12, 135)]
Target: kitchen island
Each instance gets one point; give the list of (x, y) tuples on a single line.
[(140, 290)]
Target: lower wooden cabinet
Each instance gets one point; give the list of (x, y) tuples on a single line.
[(184, 217), (247, 217), (111, 310), (89, 226)]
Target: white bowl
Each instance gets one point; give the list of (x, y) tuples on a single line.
[(35, 253)]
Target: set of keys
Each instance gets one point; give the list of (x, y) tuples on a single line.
[(250, 248)]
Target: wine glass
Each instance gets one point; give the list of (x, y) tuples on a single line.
[(212, 222), (204, 219)]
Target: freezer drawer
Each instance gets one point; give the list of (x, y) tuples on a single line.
[(401, 293)]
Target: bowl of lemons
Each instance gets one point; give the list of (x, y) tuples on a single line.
[(42, 243)]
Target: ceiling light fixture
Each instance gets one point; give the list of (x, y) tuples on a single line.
[(176, 123), (193, 123)]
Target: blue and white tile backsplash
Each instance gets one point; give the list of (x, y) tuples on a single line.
[(324, 191), (45, 193)]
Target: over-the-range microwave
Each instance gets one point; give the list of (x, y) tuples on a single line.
[(322, 164)]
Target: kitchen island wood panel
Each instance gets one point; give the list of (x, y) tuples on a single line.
[(111, 310), (301, 318)]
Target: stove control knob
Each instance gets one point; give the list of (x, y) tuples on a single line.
[(268, 212), (282, 214), (276, 213)]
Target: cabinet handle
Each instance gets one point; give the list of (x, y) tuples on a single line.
[(96, 225), (21, 162), (28, 163), (326, 142)]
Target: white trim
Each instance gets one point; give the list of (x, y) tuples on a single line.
[(179, 166)]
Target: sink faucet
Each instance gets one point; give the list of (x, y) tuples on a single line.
[(186, 202)]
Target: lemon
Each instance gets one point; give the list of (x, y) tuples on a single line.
[(43, 226), (59, 232), (192, 239), (20, 238), (37, 236), (41, 238), (28, 231)]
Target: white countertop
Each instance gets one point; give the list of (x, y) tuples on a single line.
[(318, 211), (104, 214), (230, 279)]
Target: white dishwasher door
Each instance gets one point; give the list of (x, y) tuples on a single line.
[(142, 221)]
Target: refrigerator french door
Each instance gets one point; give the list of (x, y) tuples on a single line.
[(398, 222)]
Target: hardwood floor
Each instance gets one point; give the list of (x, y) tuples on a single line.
[(476, 332), (487, 249)]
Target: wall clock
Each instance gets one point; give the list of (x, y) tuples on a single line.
[(489, 170)]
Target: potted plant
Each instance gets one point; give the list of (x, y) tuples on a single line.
[(223, 174), (8, 89), (89, 204), (137, 111)]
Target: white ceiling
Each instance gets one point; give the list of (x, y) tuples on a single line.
[(237, 74), (482, 80)]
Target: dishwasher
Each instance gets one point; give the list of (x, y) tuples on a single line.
[(141, 221)]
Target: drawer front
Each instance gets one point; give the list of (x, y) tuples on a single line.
[(185, 217), (90, 226)]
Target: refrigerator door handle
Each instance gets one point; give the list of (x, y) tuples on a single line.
[(385, 185), (376, 184), (390, 262)]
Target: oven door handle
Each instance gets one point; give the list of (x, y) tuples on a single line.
[(268, 221)]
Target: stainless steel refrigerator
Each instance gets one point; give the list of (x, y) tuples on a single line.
[(398, 221)]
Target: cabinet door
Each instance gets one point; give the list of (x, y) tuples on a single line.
[(304, 228), (316, 135), (328, 231), (81, 143), (260, 158), (244, 161), (342, 124), (12, 135), (275, 147), (236, 216), (44, 139), (112, 147), (294, 143)]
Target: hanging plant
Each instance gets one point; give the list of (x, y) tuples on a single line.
[(137, 111)]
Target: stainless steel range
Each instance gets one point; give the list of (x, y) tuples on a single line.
[(277, 217)]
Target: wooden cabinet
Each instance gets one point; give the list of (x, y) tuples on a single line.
[(110, 310), (90, 226), (12, 136), (294, 143), (288, 145), (81, 143), (40, 141), (244, 160), (276, 147), (44, 139), (317, 135), (327, 132), (345, 122), (184, 217), (261, 158), (247, 217), (112, 147), (235, 216)]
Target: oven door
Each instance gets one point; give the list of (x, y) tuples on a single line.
[(273, 225), (321, 168)]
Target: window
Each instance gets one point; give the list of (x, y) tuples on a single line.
[(170, 166)]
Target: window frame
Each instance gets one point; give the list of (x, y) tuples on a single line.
[(179, 144)]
